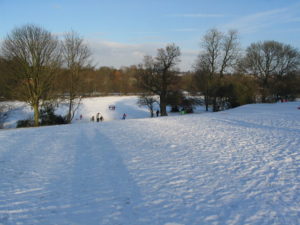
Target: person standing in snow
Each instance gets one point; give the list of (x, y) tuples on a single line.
[(124, 116), (157, 113), (98, 117)]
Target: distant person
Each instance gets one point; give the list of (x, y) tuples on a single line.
[(157, 113), (93, 119), (124, 116), (80, 117), (112, 107), (101, 118), (98, 117)]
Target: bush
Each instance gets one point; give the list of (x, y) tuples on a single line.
[(233, 91), (188, 104), (179, 102), (48, 117), (25, 123), (174, 108)]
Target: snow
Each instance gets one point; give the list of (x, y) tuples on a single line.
[(123, 104), (89, 107), (239, 166)]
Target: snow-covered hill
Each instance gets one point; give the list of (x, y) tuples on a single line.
[(240, 166), (89, 107)]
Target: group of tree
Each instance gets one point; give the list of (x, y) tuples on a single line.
[(32, 57), (159, 75), (38, 67), (268, 71), (223, 76)]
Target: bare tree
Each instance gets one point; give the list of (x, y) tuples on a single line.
[(269, 59), (219, 55), (230, 52), (211, 45), (149, 101), (76, 55), (35, 55), (157, 75)]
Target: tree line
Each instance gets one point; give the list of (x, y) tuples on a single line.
[(224, 75), (37, 67)]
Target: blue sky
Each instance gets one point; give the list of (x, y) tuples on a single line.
[(120, 33)]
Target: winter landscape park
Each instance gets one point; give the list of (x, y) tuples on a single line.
[(239, 166), (173, 112)]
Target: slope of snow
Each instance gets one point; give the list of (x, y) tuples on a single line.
[(125, 104), (240, 166), (90, 107)]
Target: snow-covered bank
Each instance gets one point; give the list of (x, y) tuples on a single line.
[(240, 166)]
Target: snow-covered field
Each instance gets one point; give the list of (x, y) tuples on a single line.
[(90, 107), (240, 166)]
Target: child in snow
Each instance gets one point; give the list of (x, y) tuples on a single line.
[(124, 116)]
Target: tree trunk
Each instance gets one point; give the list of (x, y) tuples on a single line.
[(151, 111), (36, 114), (215, 107), (69, 116), (263, 97), (163, 106), (264, 91), (206, 102)]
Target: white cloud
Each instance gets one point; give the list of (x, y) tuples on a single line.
[(262, 20), (116, 54), (198, 15), (56, 6), (185, 30)]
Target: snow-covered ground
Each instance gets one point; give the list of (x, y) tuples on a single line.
[(89, 107), (240, 166)]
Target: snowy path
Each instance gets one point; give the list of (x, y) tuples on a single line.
[(225, 168)]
